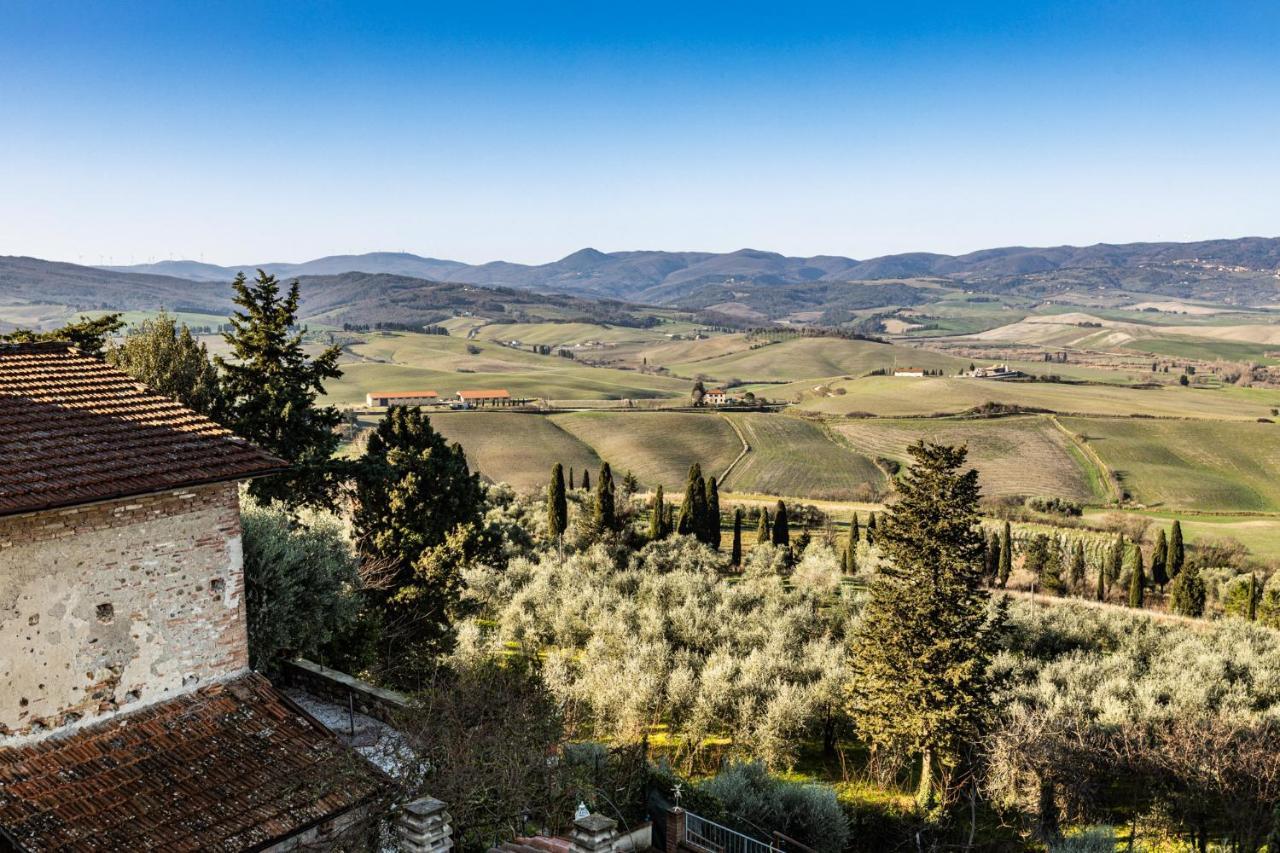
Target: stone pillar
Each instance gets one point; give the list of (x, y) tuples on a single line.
[(675, 829), (593, 834), (423, 827)]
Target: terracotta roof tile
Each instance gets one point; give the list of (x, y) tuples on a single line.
[(74, 430), (232, 766)]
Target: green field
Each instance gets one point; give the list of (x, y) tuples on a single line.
[(577, 333), (515, 448), (790, 456), (1200, 465), (1023, 456), (658, 447), (903, 396), (808, 358), (412, 362), (1260, 534)]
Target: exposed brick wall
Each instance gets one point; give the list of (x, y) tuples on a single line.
[(109, 606)]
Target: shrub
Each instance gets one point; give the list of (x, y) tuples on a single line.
[(759, 803)]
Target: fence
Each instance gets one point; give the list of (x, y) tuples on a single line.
[(707, 835)]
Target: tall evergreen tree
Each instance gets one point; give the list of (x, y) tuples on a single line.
[(1160, 561), (920, 679), (764, 530), (735, 554), (571, 479), (658, 517), (1177, 552), (630, 485), (1253, 597), (413, 492), (781, 532), (991, 558), (854, 532), (271, 386), (606, 517), (1115, 563), (1078, 568), (713, 514), (1100, 594), (1006, 555), (871, 528), (851, 548), (89, 335), (693, 509), (586, 481), (557, 507), (1137, 579), (163, 355), (1187, 592)]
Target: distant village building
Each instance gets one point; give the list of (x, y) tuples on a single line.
[(487, 397), (129, 718), (715, 397), (995, 371), (401, 398), (908, 371)]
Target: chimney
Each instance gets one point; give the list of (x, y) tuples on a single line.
[(594, 833), (423, 827)]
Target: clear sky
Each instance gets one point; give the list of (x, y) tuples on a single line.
[(258, 131)]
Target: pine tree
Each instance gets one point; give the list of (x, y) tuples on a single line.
[(557, 507), (713, 534), (1137, 579), (630, 485), (586, 481), (606, 517), (1177, 553), (1160, 561), (657, 520), (414, 494), (1006, 555), (781, 532), (735, 555), (920, 680), (764, 531), (271, 386), (1187, 592), (1078, 568), (871, 528)]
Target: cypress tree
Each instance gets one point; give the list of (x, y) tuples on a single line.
[(1115, 566), (763, 530), (1137, 580), (557, 507), (1077, 567), (1160, 561), (735, 554), (1187, 592), (781, 533), (571, 479), (871, 528), (713, 514), (1101, 594), (1006, 555), (1253, 597), (991, 559), (693, 510), (1177, 553), (586, 480), (606, 511), (851, 548), (854, 532), (921, 676), (657, 520)]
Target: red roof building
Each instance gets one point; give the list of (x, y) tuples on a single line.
[(129, 719)]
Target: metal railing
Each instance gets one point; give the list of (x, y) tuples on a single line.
[(714, 838)]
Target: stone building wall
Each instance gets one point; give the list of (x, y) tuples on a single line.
[(111, 606)]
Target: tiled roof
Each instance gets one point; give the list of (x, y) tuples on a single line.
[(403, 394), (75, 430), (232, 766), (484, 395)]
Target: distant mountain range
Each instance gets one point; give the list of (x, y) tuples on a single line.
[(748, 284)]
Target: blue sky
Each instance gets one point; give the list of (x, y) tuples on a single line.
[(254, 132)]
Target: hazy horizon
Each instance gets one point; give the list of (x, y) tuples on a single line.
[(250, 133)]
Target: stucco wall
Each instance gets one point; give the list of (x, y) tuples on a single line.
[(107, 607)]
